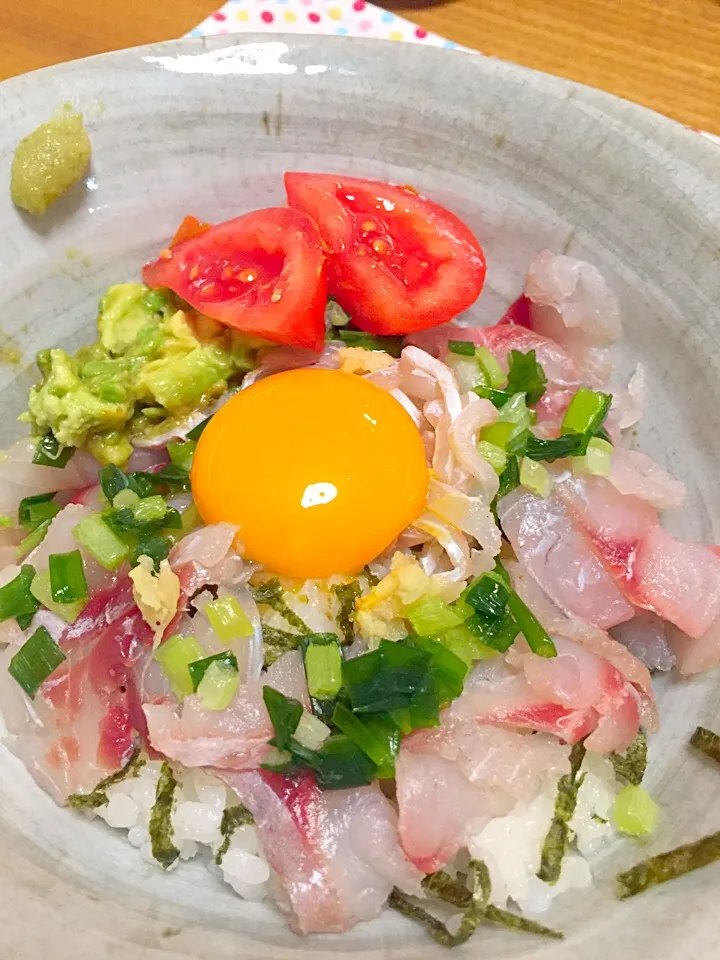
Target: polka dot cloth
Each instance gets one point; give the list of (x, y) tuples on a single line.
[(355, 18)]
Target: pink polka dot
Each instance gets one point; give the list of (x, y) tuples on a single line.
[(420, 33), (314, 17), (359, 5), (306, 3), (266, 16), (365, 25), (219, 16)]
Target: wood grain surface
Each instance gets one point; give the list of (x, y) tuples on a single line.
[(661, 53)]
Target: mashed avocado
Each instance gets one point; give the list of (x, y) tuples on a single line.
[(152, 365), (49, 161)]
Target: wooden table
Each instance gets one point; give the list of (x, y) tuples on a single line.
[(662, 53)]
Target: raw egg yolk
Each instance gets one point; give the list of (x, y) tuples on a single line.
[(319, 469)]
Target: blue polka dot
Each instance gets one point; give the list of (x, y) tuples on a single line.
[(387, 17), (341, 30), (195, 32), (450, 44), (282, 2)]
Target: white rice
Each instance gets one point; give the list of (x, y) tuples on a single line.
[(511, 846), (199, 802)]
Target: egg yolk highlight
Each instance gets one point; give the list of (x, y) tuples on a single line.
[(319, 469)]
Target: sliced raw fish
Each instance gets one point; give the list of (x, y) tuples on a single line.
[(336, 854)]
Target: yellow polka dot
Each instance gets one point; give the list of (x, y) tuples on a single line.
[(243, 15), (395, 35), (289, 16), (334, 13)]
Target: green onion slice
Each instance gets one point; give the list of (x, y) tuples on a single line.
[(35, 661), (228, 619), (49, 453), (285, 713), (525, 375), (586, 412), (463, 348), (67, 577), (199, 668), (16, 599), (32, 511)]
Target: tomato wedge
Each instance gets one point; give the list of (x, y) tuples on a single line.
[(398, 263), (263, 274)]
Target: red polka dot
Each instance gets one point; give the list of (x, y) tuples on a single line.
[(266, 16), (420, 33), (219, 16), (314, 17), (359, 5)]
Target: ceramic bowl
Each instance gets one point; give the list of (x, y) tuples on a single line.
[(529, 161)]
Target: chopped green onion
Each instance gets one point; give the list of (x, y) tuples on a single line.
[(347, 595), (335, 316), (431, 615), (525, 375), (509, 478), (199, 668), (155, 547), (323, 666), (33, 539), (32, 511), (535, 477), (358, 338), (49, 453), (228, 619), (495, 456), (451, 669), (498, 398), (40, 588), (6, 521), (125, 499), (338, 765), (387, 678), (16, 598), (67, 577), (97, 538), (35, 661), (112, 481), (586, 412), (632, 764), (150, 509), (535, 634), (635, 812), (465, 645), (182, 453), (572, 445), (494, 373), (175, 656), (498, 433), (378, 737), (667, 866), (488, 596), (558, 837), (499, 635), (197, 431), (311, 732), (597, 459), (464, 348), (285, 713), (24, 620), (219, 684), (278, 761), (706, 742)]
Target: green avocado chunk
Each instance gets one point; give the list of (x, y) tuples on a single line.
[(152, 366)]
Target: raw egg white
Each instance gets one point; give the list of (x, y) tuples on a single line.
[(320, 470)]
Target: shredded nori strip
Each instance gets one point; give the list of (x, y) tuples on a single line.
[(277, 642), (632, 764), (667, 866), (474, 915), (232, 818), (347, 595), (98, 797), (443, 887), (160, 827), (272, 595), (706, 742), (558, 837), (372, 580)]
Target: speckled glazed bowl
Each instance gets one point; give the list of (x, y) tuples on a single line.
[(530, 162)]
